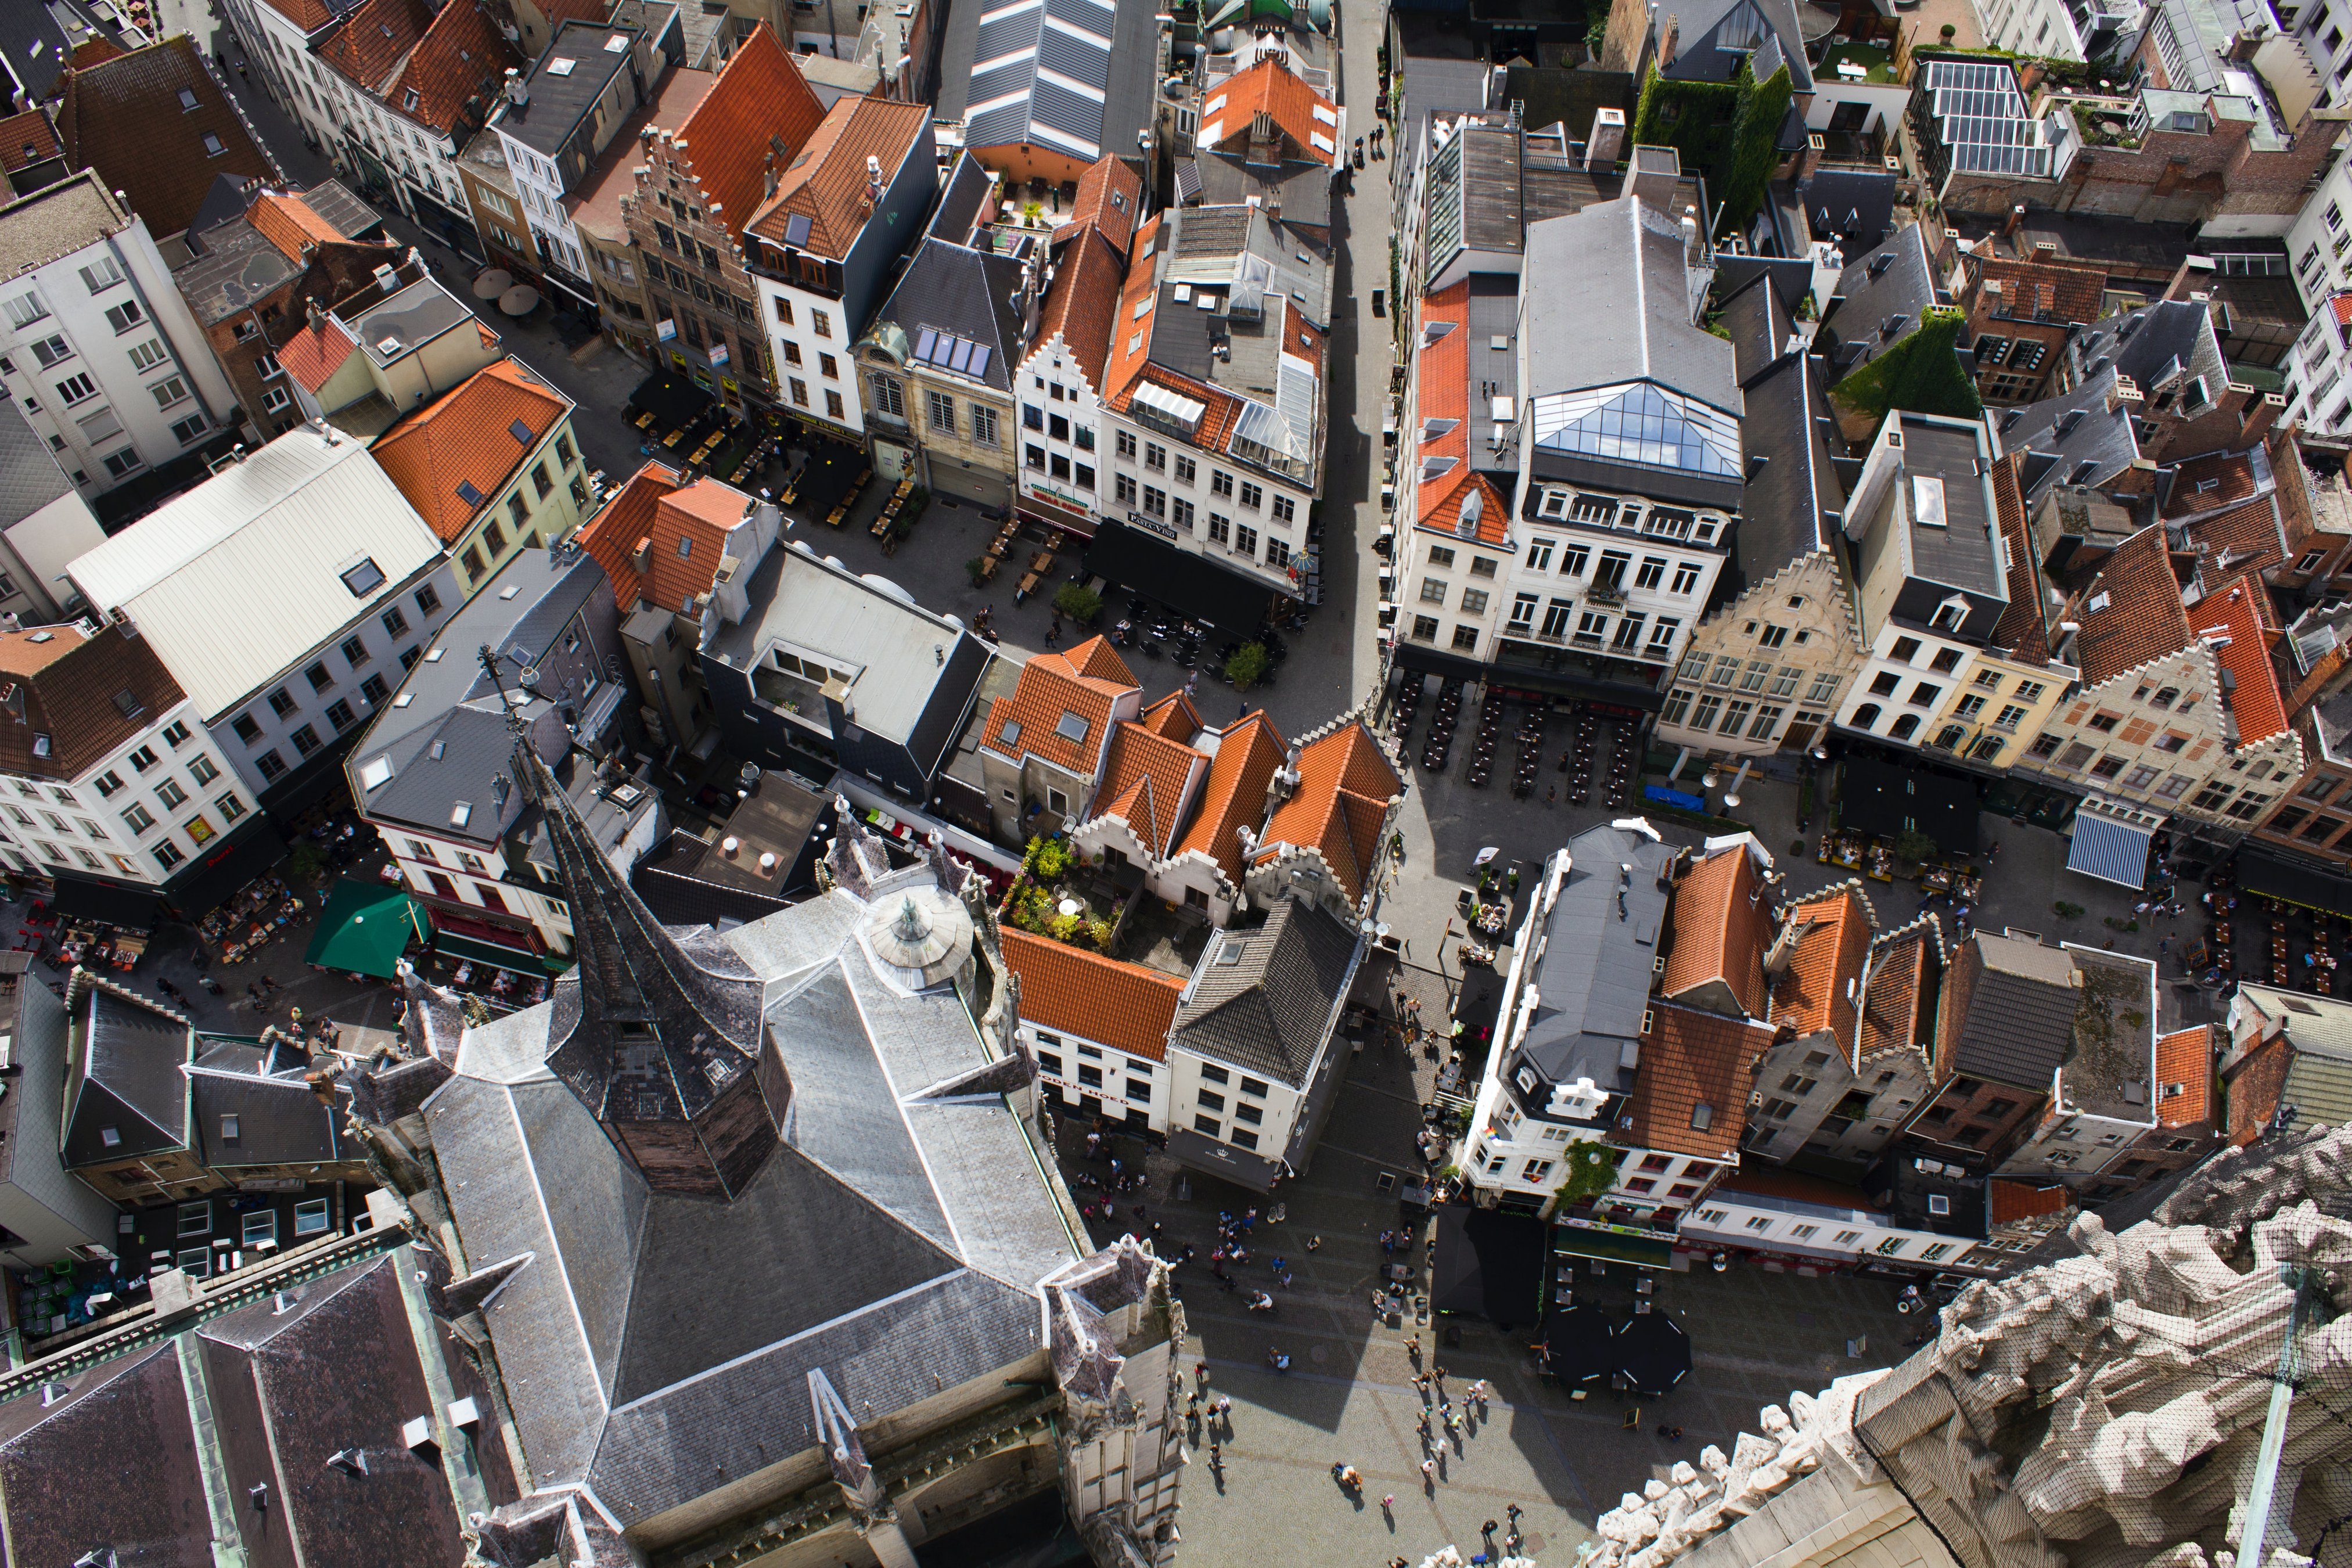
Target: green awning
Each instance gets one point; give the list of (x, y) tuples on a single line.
[(1611, 1247), (364, 929)]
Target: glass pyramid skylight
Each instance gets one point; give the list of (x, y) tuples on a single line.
[(1640, 423)]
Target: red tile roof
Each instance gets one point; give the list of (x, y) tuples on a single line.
[(1110, 197), (2048, 289), (1087, 681), (1443, 398), (308, 15), (1832, 929), (1270, 88), (826, 183), (461, 57), (2020, 632), (2142, 619), (466, 436), (760, 99), (628, 515), (2215, 479), (1247, 755), (1143, 784), (1174, 716), (1344, 785), (1123, 1005), (594, 203), (2008, 1201), (2234, 610), (287, 223), (71, 686), (2184, 1059), (1131, 327), (123, 118), (2245, 539), (1082, 306), (95, 52), (1898, 1004), (373, 40), (316, 352), (2342, 305), (26, 139), (1691, 1060), (1718, 928), (689, 538)]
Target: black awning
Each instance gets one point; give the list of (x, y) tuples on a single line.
[(672, 400), (2262, 871), (1488, 1264), (1196, 588), (1576, 1345), (1515, 676), (230, 866), (1885, 802), (1651, 1350), (1424, 660), (110, 903)]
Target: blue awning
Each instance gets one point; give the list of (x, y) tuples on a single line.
[(2111, 844)]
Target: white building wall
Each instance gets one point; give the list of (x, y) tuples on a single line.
[(812, 326), (1060, 456), (1263, 518), (1124, 1082), (116, 377), (1215, 1098), (540, 183), (1839, 1237), (137, 816), (1900, 689)]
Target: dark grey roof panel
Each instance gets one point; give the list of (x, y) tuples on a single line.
[(1271, 1008), (1001, 36), (1050, 103), (1082, 59)]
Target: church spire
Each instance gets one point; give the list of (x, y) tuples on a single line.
[(660, 1037)]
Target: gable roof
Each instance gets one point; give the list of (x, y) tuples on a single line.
[(688, 537), (2248, 538), (1344, 785), (2012, 1015), (1264, 997), (1082, 304), (2022, 632), (1248, 753), (465, 441), (1272, 88), (826, 182), (130, 1084), (1898, 996), (123, 118), (1110, 201), (759, 98), (2234, 611), (287, 222), (2141, 618), (1718, 928), (373, 40), (1084, 683), (1143, 783), (459, 59), (80, 697), (2046, 289), (1174, 716), (1690, 1093), (628, 515), (956, 291), (317, 349), (2184, 1059), (28, 139), (1829, 936), (1062, 987)]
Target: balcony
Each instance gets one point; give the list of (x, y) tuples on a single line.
[(1611, 593)]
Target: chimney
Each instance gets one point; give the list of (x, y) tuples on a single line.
[(639, 553), (1606, 142), (1816, 144), (1693, 248), (873, 180), (2125, 396), (2260, 415), (2016, 217), (2029, 77)]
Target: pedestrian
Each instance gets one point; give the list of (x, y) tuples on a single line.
[(251, 992), (1200, 1372), (1551, 795), (1313, 1242), (1387, 1503), (1429, 1473), (1225, 1410), (1412, 1348), (1993, 853), (1511, 1511)]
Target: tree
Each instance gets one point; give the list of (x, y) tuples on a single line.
[(977, 569), (1079, 602), (1915, 847), (1247, 666), (1592, 1171)]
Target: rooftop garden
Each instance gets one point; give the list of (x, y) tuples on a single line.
[(1056, 896), (1877, 62)]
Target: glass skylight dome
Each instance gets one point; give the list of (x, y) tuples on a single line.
[(1640, 423)]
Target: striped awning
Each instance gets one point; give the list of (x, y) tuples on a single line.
[(2111, 844)]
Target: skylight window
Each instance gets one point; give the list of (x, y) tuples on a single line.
[(1013, 732), (618, 44), (364, 579), (188, 100), (461, 814), (561, 66), (1927, 501), (1071, 728)]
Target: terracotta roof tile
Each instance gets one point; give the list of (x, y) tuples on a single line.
[(1247, 755), (689, 538), (1172, 717), (1123, 1005), (308, 15), (373, 40), (1443, 384), (287, 223), (1130, 333), (1344, 785), (1082, 306), (2008, 1201), (2185, 1057), (26, 139), (1719, 928), (1691, 1060), (2342, 308), (826, 183), (2052, 290), (2235, 606), (628, 515), (760, 95), (465, 438), (1111, 196), (71, 685), (1831, 937), (2244, 538), (2020, 632), (95, 52), (1052, 685), (1143, 783), (2215, 479), (1899, 1002), (461, 57), (124, 120), (1270, 88), (2142, 617), (316, 352)]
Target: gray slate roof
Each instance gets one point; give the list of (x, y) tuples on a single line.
[(30, 475), (2150, 345), (1784, 510), (129, 1081), (1628, 252), (953, 288), (655, 1342), (278, 1120), (1593, 982), (1874, 311), (2021, 1011), (1853, 206), (1265, 999)]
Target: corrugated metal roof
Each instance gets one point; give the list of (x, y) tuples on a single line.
[(237, 580)]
